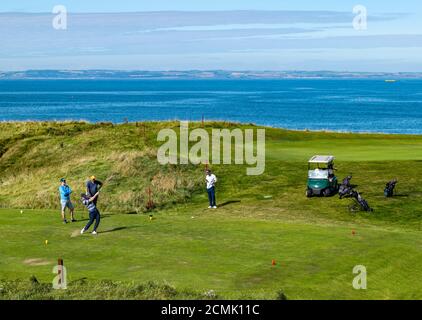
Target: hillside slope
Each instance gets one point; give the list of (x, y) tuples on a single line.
[(187, 250), (34, 156)]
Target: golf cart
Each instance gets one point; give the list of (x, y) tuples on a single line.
[(321, 177)]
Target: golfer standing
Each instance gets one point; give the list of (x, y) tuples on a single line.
[(211, 180), (65, 192), (92, 188)]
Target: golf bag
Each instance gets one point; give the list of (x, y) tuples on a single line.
[(360, 203), (345, 187), (389, 188)]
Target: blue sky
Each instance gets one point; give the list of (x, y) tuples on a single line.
[(194, 34), (159, 5)]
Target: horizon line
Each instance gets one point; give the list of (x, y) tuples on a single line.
[(207, 70)]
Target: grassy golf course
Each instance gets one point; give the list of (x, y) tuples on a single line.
[(190, 252)]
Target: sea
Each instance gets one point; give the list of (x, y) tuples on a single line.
[(344, 105)]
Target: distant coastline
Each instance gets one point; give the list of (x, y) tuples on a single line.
[(199, 75)]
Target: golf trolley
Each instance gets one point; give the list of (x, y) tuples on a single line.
[(359, 203), (321, 178), (345, 187), (346, 191), (389, 188)]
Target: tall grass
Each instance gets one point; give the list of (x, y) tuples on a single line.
[(96, 290), (34, 156)]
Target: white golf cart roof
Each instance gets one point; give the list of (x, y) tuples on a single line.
[(321, 159)]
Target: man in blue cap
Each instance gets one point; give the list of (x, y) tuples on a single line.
[(65, 192)]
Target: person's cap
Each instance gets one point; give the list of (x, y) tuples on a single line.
[(62, 180), (92, 178)]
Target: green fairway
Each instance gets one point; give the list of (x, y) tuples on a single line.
[(193, 249), (217, 252)]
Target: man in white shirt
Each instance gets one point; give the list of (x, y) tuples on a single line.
[(211, 179)]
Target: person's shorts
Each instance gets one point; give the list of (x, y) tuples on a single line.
[(66, 204)]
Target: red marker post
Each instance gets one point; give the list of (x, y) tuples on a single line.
[(60, 272), (60, 281)]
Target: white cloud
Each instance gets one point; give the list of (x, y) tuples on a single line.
[(103, 40)]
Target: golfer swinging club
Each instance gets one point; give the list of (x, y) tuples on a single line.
[(94, 214), (65, 192), (211, 180)]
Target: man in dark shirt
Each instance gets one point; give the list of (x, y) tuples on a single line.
[(92, 187), (94, 214)]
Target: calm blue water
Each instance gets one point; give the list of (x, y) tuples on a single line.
[(341, 105)]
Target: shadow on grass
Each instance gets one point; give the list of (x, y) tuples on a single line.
[(118, 229), (333, 194), (81, 281), (228, 202), (327, 196)]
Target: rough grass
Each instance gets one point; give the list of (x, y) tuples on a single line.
[(82, 289), (37, 155)]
